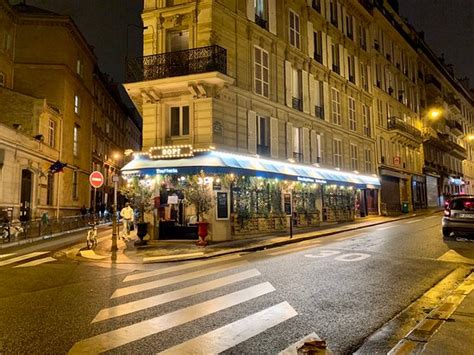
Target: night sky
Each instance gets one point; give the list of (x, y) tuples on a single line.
[(448, 27)]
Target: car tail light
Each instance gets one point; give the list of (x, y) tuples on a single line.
[(447, 212)]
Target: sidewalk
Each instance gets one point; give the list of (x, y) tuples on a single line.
[(166, 251)]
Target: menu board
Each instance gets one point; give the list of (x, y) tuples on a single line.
[(222, 208), (287, 204)]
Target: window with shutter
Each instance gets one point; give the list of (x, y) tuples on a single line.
[(261, 72)]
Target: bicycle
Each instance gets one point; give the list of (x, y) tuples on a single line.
[(91, 240)]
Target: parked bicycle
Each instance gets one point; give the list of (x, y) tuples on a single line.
[(92, 236)]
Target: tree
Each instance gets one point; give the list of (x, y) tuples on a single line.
[(139, 193), (199, 194)]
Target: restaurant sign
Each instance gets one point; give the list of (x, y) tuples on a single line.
[(171, 152)]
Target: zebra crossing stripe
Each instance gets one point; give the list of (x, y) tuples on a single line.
[(167, 270), (135, 306), (234, 333), (22, 257), (37, 262), (119, 337), (124, 291), (2, 256)]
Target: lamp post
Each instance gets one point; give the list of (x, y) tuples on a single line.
[(115, 180)]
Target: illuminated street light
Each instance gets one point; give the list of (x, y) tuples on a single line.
[(434, 114), (470, 137)]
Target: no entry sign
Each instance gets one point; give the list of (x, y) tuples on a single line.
[(96, 179)]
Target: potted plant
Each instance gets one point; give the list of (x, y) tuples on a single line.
[(139, 193), (198, 194)]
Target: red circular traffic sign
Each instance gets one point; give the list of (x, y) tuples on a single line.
[(96, 179)]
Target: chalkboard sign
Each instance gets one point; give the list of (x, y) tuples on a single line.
[(287, 204), (222, 209)]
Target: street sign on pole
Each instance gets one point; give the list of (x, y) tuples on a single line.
[(96, 179)]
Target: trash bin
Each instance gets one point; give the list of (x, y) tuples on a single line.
[(405, 206)]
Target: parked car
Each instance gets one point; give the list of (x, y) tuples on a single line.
[(459, 216)]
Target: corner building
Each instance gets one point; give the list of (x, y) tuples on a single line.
[(274, 96)]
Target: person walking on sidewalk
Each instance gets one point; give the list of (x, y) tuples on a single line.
[(127, 214)]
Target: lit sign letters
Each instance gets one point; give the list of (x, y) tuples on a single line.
[(178, 151), (306, 179), (167, 171)]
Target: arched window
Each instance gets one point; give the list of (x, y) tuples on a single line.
[(2, 79)]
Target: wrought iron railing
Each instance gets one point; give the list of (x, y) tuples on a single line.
[(297, 103), (260, 21), (398, 124), (263, 150), (298, 156), (319, 111), (316, 4), (185, 62), (430, 79)]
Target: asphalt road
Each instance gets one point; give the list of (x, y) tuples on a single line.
[(343, 288)]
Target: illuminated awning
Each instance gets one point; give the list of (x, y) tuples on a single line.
[(219, 162)]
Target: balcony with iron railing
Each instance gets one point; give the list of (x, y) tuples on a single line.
[(297, 103), (260, 21), (316, 5), (433, 84), (453, 148), (319, 112), (455, 126), (179, 63), (263, 150), (395, 123)]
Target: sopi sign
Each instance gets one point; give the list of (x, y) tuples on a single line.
[(96, 179)]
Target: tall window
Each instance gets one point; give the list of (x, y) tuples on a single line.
[(177, 40), (297, 100), (364, 80), (335, 58), (51, 133), (50, 190), (352, 114), (317, 38), (297, 154), (179, 121), (317, 158), (362, 37), (75, 141), (368, 161), (349, 26), (261, 13), (261, 72), (336, 107), (354, 157), (351, 66), (337, 153), (263, 142), (333, 12), (366, 118), (74, 185), (77, 105), (294, 29)]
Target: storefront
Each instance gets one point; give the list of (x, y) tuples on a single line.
[(250, 195)]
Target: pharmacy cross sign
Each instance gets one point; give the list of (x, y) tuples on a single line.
[(96, 179)]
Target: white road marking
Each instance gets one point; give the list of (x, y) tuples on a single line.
[(351, 236), (234, 333), (145, 303), (294, 249), (167, 270), (352, 257), (323, 254), (169, 257), (2, 256), (119, 337), (22, 257), (174, 279), (384, 228), (413, 221), (37, 262)]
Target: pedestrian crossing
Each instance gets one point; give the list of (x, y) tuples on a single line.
[(25, 260), (236, 283)]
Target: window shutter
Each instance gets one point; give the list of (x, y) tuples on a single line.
[(310, 39), (306, 157), (252, 131), (340, 18), (251, 10), (289, 140), (272, 25), (288, 80), (357, 71), (314, 146), (342, 22), (273, 137), (324, 48), (343, 61), (312, 95), (328, 53), (304, 83), (326, 101)]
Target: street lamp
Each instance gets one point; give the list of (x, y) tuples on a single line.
[(115, 179), (434, 113)]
